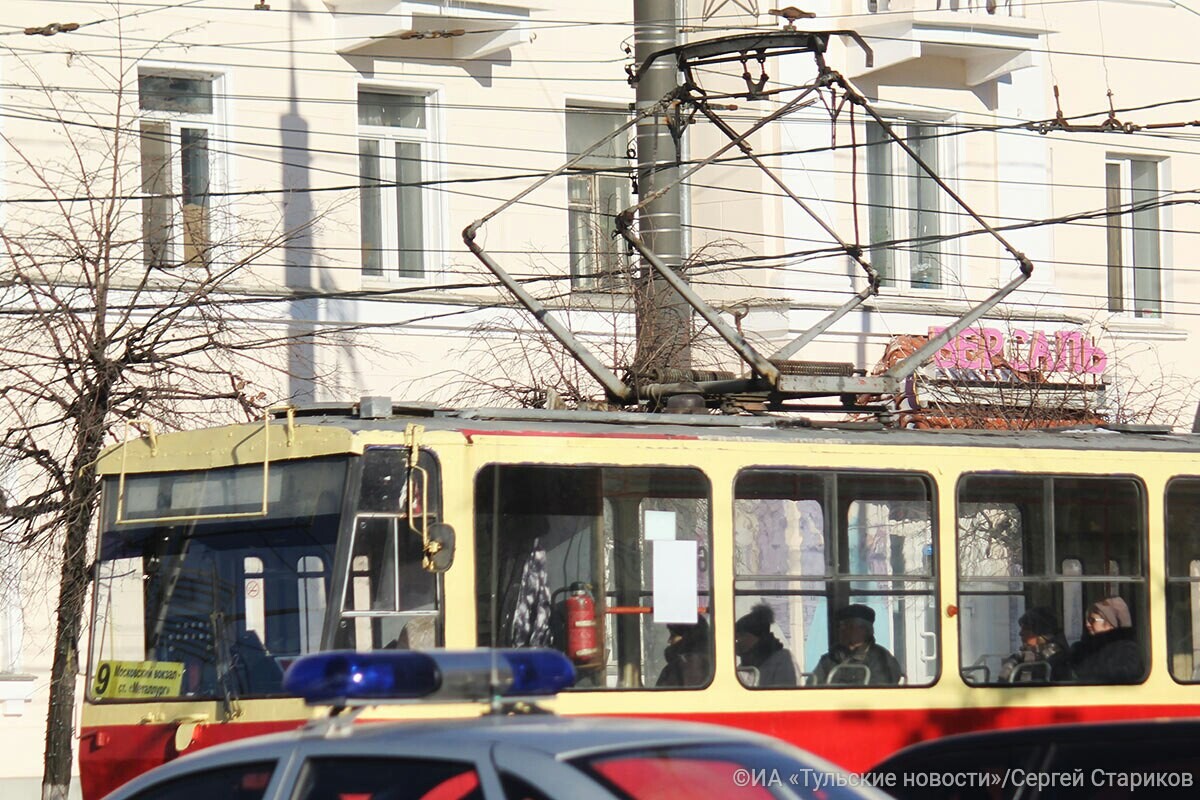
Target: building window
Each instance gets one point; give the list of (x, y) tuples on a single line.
[(905, 218), (177, 167), (394, 139), (1133, 237), (597, 189), (12, 621)]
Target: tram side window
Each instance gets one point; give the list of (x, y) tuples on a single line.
[(1052, 579), (608, 564), (390, 600), (835, 569), (1183, 578)]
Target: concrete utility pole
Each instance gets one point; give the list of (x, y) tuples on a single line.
[(663, 318)]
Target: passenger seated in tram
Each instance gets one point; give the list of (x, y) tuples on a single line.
[(1043, 649), (758, 647), (1109, 651), (857, 658), (687, 654)]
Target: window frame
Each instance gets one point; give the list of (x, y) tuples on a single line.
[(429, 140), (215, 127), (1121, 250), (279, 770), (838, 578), (705, 567), (340, 599), (1191, 580), (12, 595), (375, 763), (1060, 577), (108, 514), (595, 277), (897, 208)]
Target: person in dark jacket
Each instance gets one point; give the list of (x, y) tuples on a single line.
[(856, 653), (758, 647), (1109, 652), (1042, 645), (689, 662)]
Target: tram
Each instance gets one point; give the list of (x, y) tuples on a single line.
[(225, 554)]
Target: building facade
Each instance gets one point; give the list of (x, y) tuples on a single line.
[(347, 143)]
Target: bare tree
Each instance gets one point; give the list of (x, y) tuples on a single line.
[(120, 302), (512, 360)]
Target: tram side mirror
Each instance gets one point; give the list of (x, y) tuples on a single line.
[(439, 548)]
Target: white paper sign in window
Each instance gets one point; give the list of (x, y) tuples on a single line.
[(675, 591), (659, 525)]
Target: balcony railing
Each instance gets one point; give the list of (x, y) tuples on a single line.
[(996, 8)]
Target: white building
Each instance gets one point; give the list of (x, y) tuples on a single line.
[(240, 117)]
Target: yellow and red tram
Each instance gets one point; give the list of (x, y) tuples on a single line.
[(223, 554)]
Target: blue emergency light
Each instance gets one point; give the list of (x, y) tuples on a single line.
[(351, 678)]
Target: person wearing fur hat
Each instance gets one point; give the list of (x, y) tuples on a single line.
[(855, 650), (758, 647), (1042, 643), (1109, 652)]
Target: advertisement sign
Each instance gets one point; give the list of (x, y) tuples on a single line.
[(1063, 351)]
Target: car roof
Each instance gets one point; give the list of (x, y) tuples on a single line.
[(535, 736), (1078, 732), (561, 738)]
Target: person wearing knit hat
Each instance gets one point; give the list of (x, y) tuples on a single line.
[(1043, 646), (1115, 612), (1109, 652), (758, 647), (857, 659), (689, 662)]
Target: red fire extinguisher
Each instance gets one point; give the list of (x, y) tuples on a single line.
[(582, 631)]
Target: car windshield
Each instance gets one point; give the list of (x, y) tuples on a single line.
[(740, 771)]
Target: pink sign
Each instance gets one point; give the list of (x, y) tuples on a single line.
[(1023, 351)]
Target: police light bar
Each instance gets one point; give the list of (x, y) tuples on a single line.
[(350, 678)]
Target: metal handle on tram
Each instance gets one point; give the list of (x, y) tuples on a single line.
[(930, 653), (417, 494)]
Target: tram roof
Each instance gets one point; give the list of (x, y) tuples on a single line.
[(332, 429), (767, 428)]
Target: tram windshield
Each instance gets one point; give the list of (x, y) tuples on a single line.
[(207, 586)]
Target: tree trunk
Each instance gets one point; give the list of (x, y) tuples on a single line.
[(73, 585), (60, 719)]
